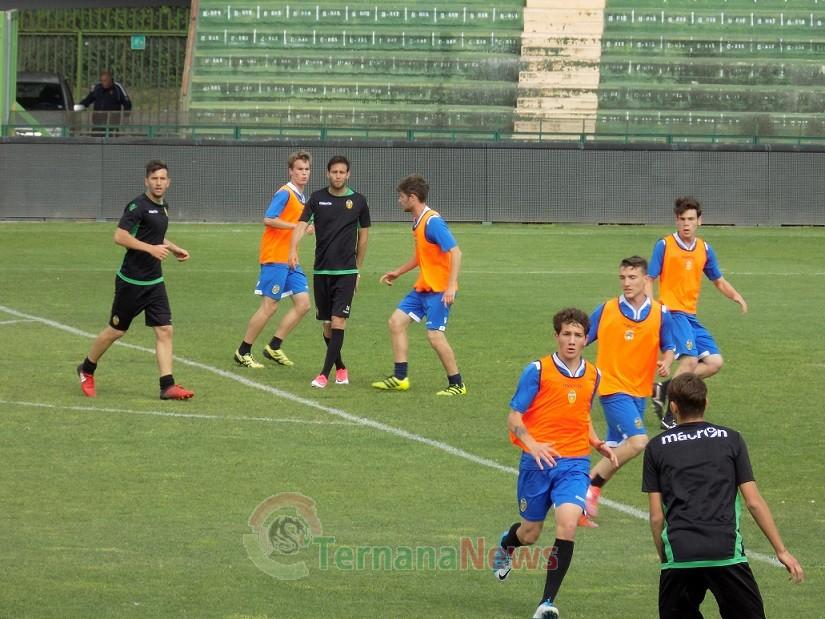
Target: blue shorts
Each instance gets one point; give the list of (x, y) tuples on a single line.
[(538, 490), (623, 414), (692, 339), (417, 305), (278, 280)]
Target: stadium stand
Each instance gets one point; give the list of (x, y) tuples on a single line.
[(745, 67), (646, 67), (388, 64)]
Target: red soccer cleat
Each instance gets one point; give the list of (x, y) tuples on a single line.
[(587, 523), (176, 392), (87, 382), (591, 503), (319, 382)]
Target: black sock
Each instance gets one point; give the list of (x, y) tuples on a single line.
[(455, 379), (336, 342), (244, 348), (557, 564), (665, 384), (598, 481), (400, 371), (511, 540), (88, 366), (166, 382), (339, 363), (275, 343)]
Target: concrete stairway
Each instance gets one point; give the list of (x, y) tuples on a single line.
[(560, 54)]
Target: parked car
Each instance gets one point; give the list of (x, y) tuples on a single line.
[(48, 101), (43, 92)]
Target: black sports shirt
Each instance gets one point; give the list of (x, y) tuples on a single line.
[(146, 221), (337, 220), (698, 467)]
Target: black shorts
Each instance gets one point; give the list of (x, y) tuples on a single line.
[(681, 592), (333, 295), (131, 300)]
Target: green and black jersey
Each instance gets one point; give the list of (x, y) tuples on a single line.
[(147, 221), (698, 468), (337, 220)]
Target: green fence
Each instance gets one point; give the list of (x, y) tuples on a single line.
[(79, 43), (384, 124)]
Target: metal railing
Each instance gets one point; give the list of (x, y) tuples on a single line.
[(119, 125)]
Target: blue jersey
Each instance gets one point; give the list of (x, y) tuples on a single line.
[(279, 200), (437, 233)]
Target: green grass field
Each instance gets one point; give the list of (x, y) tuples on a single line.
[(126, 506)]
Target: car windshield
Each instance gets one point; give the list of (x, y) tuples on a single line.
[(40, 96)]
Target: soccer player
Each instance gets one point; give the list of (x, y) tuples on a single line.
[(550, 421), (139, 283), (277, 280), (678, 261), (694, 475), (438, 259), (342, 219), (631, 329)]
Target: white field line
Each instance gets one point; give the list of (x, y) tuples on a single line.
[(13, 322), (126, 411), (337, 412)]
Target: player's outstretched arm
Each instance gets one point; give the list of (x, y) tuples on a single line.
[(297, 235), (761, 513), (602, 447), (727, 289), (180, 253), (278, 223), (390, 276), (663, 365), (543, 453), (124, 239), (649, 286), (455, 267)]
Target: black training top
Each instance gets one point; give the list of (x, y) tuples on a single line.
[(698, 467), (337, 220), (147, 221), (112, 99)]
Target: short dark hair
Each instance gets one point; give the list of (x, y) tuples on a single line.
[(690, 394), (107, 72), (298, 154), (686, 203), (337, 159), (570, 315), (634, 262), (414, 185), (155, 165)]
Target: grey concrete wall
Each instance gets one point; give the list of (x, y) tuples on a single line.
[(233, 181)]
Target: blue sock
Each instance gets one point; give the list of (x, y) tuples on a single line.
[(400, 370)]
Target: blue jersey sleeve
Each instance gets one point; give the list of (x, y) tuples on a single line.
[(595, 318), (528, 387), (667, 337), (654, 267), (711, 269), (439, 234), (278, 204)]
